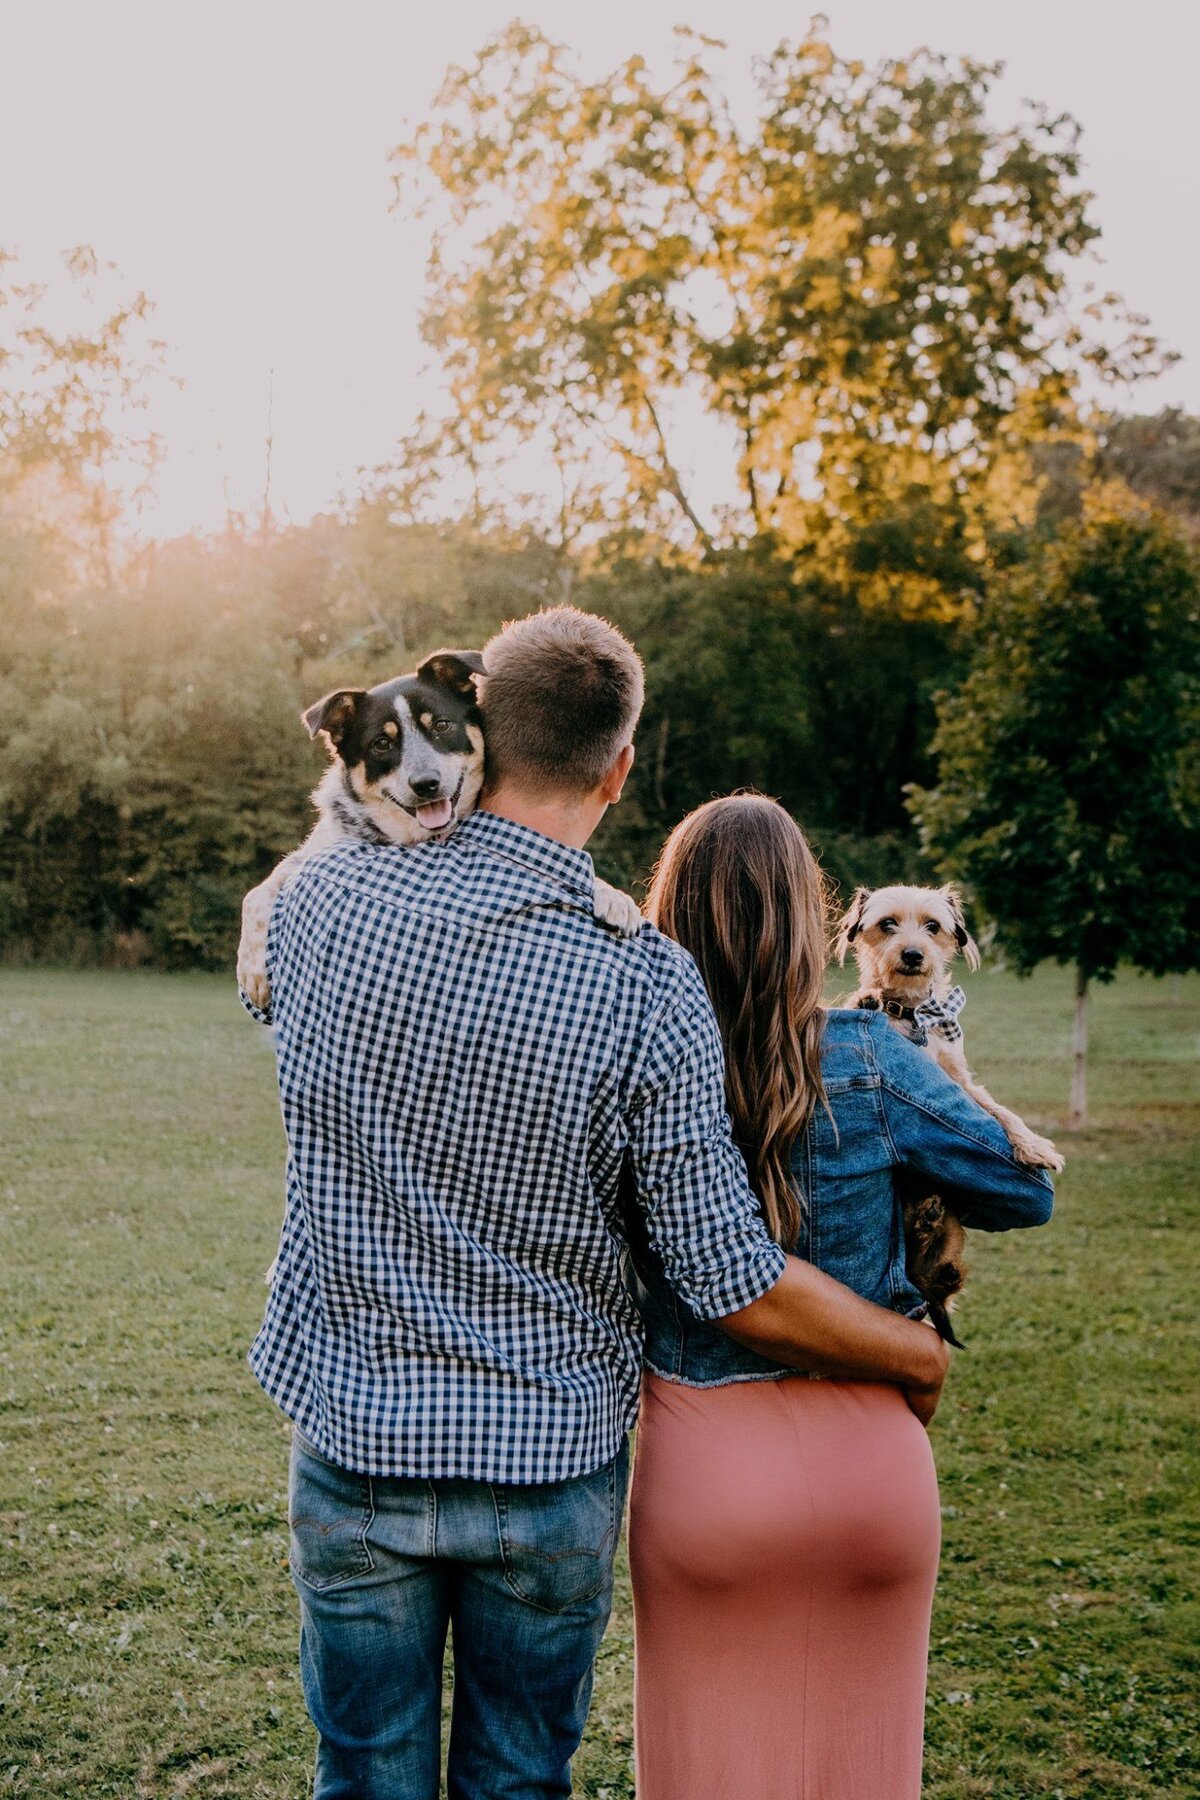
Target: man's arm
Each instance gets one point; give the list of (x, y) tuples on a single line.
[(703, 1220)]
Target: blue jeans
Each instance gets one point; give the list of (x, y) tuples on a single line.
[(385, 1566)]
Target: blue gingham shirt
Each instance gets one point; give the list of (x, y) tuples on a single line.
[(466, 1060)]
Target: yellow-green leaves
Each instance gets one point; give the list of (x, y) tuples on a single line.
[(874, 287)]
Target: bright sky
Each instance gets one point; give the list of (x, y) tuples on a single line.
[(230, 157)]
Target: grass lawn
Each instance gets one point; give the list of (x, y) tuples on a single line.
[(147, 1622)]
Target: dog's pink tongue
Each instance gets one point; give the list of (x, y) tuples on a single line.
[(434, 815)]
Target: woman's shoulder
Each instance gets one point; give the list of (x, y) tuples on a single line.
[(859, 1040), (866, 1036), (847, 1042), (842, 1020)]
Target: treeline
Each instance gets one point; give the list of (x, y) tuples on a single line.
[(875, 295), (153, 764)]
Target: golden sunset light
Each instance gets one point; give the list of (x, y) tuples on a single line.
[(232, 161), (599, 900)]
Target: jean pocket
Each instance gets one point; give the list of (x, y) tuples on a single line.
[(558, 1541), (329, 1514)]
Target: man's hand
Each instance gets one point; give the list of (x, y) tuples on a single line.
[(923, 1398)]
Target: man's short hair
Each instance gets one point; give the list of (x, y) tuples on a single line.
[(561, 698)]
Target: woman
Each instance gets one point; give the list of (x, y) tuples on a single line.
[(784, 1531)]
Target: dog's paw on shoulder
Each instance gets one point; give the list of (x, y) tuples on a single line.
[(254, 984), (617, 910), (1038, 1153)]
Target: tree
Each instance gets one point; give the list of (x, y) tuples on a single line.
[(1068, 762), (874, 290), (757, 675), (1157, 455), (73, 445), (153, 765)]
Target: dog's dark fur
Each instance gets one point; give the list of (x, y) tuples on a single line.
[(412, 744), (408, 763)]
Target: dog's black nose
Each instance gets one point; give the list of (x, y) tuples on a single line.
[(426, 787), (911, 959)]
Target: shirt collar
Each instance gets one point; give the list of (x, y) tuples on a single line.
[(571, 869)]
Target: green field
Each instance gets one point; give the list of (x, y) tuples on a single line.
[(147, 1622)]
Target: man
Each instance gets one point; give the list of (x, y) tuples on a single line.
[(467, 1063)]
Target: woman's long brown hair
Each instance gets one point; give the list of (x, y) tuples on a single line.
[(739, 888)]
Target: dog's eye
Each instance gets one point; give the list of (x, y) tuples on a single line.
[(381, 745), (441, 726), (887, 924), (932, 927)]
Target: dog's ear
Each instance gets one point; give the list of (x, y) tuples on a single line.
[(453, 669), (334, 714), (851, 923), (966, 942)]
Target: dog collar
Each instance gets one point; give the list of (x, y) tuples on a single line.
[(893, 1008), (928, 1015)]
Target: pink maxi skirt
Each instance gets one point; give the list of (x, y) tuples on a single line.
[(784, 1538)]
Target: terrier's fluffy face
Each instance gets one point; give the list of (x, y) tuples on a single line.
[(904, 938)]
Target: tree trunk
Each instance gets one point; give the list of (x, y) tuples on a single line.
[(752, 480), (660, 763), (1079, 1063)]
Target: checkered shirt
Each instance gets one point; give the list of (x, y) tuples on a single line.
[(466, 1061)]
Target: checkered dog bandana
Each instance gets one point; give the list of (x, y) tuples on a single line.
[(940, 1016)]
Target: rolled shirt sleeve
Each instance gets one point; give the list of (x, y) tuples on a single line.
[(262, 1014), (702, 1217)]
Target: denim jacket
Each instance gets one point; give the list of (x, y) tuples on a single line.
[(893, 1109)]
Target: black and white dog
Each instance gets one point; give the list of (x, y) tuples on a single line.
[(407, 766)]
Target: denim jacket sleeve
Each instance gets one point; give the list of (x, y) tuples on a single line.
[(939, 1131)]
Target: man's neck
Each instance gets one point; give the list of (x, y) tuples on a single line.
[(565, 819)]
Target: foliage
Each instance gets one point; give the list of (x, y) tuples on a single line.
[(77, 365), (1068, 761), (874, 289), (1157, 455), (761, 676), (1153, 456), (152, 764), (148, 1639)]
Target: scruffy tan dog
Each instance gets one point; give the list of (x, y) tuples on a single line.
[(904, 940)]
